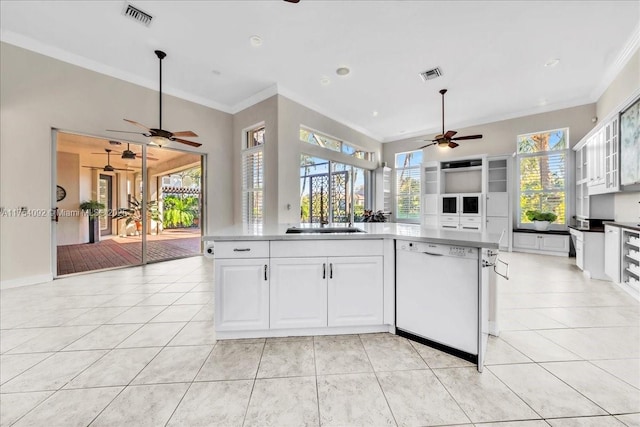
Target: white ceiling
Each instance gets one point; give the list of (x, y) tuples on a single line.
[(492, 53)]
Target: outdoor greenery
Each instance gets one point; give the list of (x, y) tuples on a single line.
[(133, 214), (180, 211), (534, 215), (93, 208), (543, 160)]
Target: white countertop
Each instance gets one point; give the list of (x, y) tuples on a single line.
[(386, 230)]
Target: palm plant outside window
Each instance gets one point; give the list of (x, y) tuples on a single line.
[(542, 170), (408, 186)]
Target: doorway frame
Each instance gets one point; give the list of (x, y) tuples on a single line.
[(145, 223)]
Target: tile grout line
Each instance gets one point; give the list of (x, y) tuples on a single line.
[(253, 385), (190, 383), (378, 380), (315, 369)]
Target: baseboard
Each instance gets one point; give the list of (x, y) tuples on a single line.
[(494, 329), (631, 291), (535, 251), (25, 281)]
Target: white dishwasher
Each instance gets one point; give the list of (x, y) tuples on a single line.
[(437, 294)]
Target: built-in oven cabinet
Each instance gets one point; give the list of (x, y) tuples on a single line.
[(461, 204)]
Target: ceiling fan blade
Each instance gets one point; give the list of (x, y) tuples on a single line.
[(120, 169), (184, 133), (91, 167), (137, 124), (462, 138), (292, 1), (452, 144), (124, 131), (428, 145), (184, 141), (449, 134)]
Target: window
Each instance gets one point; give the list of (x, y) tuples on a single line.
[(253, 177), (408, 186), (329, 191), (315, 138), (542, 169)]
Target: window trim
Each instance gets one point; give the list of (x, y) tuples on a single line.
[(395, 188), (244, 152), (568, 179)]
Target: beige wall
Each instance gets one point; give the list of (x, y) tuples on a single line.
[(68, 165), (622, 87), (263, 112), (291, 116), (614, 98), (499, 138), (282, 118), (38, 93)]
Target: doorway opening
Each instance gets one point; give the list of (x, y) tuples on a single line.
[(151, 204)]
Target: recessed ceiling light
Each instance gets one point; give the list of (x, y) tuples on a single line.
[(343, 71), (552, 63), (325, 81), (542, 101), (215, 72), (255, 41), (374, 114)]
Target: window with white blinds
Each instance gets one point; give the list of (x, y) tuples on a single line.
[(407, 167), (253, 177), (542, 169)]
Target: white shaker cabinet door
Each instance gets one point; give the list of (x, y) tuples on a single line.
[(612, 252), (498, 204), (298, 292), (355, 291), (242, 291)]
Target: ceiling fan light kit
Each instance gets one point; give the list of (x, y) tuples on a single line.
[(447, 139), (159, 136)]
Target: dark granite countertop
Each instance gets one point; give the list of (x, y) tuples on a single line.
[(588, 230), (530, 230), (631, 225)]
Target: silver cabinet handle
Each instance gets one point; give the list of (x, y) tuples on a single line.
[(431, 253), (324, 270), (265, 272), (241, 249), (330, 270)]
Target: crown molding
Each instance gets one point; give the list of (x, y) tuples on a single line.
[(266, 93), (71, 58), (627, 51)]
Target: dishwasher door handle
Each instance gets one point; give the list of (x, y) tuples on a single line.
[(431, 253)]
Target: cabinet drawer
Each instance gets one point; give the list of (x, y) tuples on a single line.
[(241, 249), (449, 225), (470, 227), (449, 218), (470, 220), (315, 248)]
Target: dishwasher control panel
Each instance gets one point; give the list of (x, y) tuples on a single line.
[(436, 249)]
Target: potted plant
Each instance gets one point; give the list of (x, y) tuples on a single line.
[(133, 214), (541, 220), (94, 210)]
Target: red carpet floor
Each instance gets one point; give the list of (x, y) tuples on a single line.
[(118, 252)]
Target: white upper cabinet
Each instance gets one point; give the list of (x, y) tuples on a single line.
[(602, 162)]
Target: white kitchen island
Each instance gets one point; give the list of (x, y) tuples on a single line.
[(272, 284)]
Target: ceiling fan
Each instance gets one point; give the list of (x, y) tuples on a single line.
[(108, 167), (129, 155), (446, 139), (292, 1), (158, 135)]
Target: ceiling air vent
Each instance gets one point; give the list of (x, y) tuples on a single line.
[(136, 14), (431, 74)]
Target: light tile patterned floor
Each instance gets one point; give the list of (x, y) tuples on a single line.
[(136, 347)]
